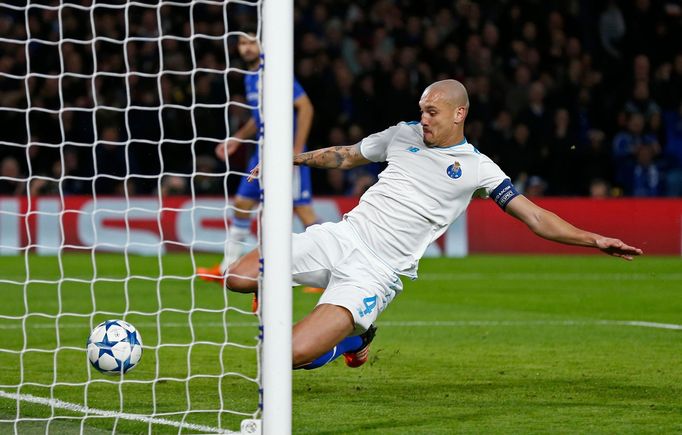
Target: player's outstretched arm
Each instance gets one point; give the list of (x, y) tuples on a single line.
[(550, 226), (341, 157)]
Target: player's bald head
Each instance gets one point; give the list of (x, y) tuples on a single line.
[(451, 91)]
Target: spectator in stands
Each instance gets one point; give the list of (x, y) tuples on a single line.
[(110, 162), (644, 177), (626, 142), (204, 182), (535, 186), (559, 156), (47, 184), (347, 58), (517, 95), (673, 150), (11, 177), (612, 30), (594, 162), (599, 189), (641, 101), (173, 185)]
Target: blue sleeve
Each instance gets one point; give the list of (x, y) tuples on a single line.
[(298, 90), (504, 193)]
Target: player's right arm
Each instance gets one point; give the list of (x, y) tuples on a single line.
[(337, 157), (227, 148)]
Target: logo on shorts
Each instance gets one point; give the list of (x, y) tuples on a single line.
[(454, 170)]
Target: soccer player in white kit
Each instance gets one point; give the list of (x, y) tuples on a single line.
[(432, 175)]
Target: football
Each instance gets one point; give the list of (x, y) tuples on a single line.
[(114, 347)]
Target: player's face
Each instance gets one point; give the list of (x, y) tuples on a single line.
[(248, 49), (437, 120)]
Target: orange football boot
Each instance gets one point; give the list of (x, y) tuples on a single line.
[(360, 356), (211, 274)]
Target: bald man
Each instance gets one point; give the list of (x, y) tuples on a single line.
[(432, 174)]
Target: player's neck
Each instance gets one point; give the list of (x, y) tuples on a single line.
[(455, 139), (253, 66)]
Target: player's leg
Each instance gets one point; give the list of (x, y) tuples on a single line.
[(326, 334), (323, 329), (242, 275), (308, 217), (302, 195), (247, 197), (238, 232), (306, 214), (240, 228)]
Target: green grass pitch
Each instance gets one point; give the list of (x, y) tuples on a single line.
[(485, 344)]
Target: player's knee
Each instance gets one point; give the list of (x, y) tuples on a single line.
[(242, 276), (302, 353), (240, 284)]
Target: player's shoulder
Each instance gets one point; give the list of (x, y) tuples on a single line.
[(466, 148), (410, 128)]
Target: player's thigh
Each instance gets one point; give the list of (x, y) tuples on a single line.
[(315, 253), (302, 186), (249, 190), (364, 287)]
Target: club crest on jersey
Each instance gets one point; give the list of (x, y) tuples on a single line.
[(455, 170)]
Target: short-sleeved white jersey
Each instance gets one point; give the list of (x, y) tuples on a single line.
[(419, 194)]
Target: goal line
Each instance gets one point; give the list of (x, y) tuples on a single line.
[(60, 404)]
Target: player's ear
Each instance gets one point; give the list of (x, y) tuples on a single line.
[(460, 114)]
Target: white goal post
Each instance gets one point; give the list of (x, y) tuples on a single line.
[(277, 214)]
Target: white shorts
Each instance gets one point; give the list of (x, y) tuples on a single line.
[(332, 256)]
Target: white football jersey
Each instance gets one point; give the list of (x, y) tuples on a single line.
[(419, 194)]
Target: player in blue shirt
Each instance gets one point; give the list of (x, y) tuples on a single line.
[(248, 194)]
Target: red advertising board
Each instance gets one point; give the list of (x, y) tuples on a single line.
[(655, 225), (144, 225)]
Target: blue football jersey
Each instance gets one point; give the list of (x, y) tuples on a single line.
[(251, 85)]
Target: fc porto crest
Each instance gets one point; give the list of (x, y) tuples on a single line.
[(454, 170)]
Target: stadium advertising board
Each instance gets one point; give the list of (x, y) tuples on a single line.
[(146, 226)]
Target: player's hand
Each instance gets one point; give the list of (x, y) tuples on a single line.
[(226, 148), (617, 248), (255, 172)]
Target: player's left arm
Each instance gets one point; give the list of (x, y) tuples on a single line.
[(304, 120), (548, 225)]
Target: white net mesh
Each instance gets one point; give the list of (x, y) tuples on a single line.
[(110, 197)]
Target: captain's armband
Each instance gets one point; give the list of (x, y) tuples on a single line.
[(504, 193)]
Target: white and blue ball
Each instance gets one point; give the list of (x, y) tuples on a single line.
[(114, 347)]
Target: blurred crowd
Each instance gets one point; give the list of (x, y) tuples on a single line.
[(570, 97)]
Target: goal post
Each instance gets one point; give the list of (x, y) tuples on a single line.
[(277, 214)]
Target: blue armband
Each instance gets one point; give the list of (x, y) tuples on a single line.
[(504, 193)]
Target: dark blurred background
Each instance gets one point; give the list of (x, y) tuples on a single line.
[(571, 97)]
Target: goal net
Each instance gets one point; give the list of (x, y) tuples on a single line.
[(110, 197)]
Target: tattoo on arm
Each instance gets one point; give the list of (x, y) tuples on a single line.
[(343, 157)]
